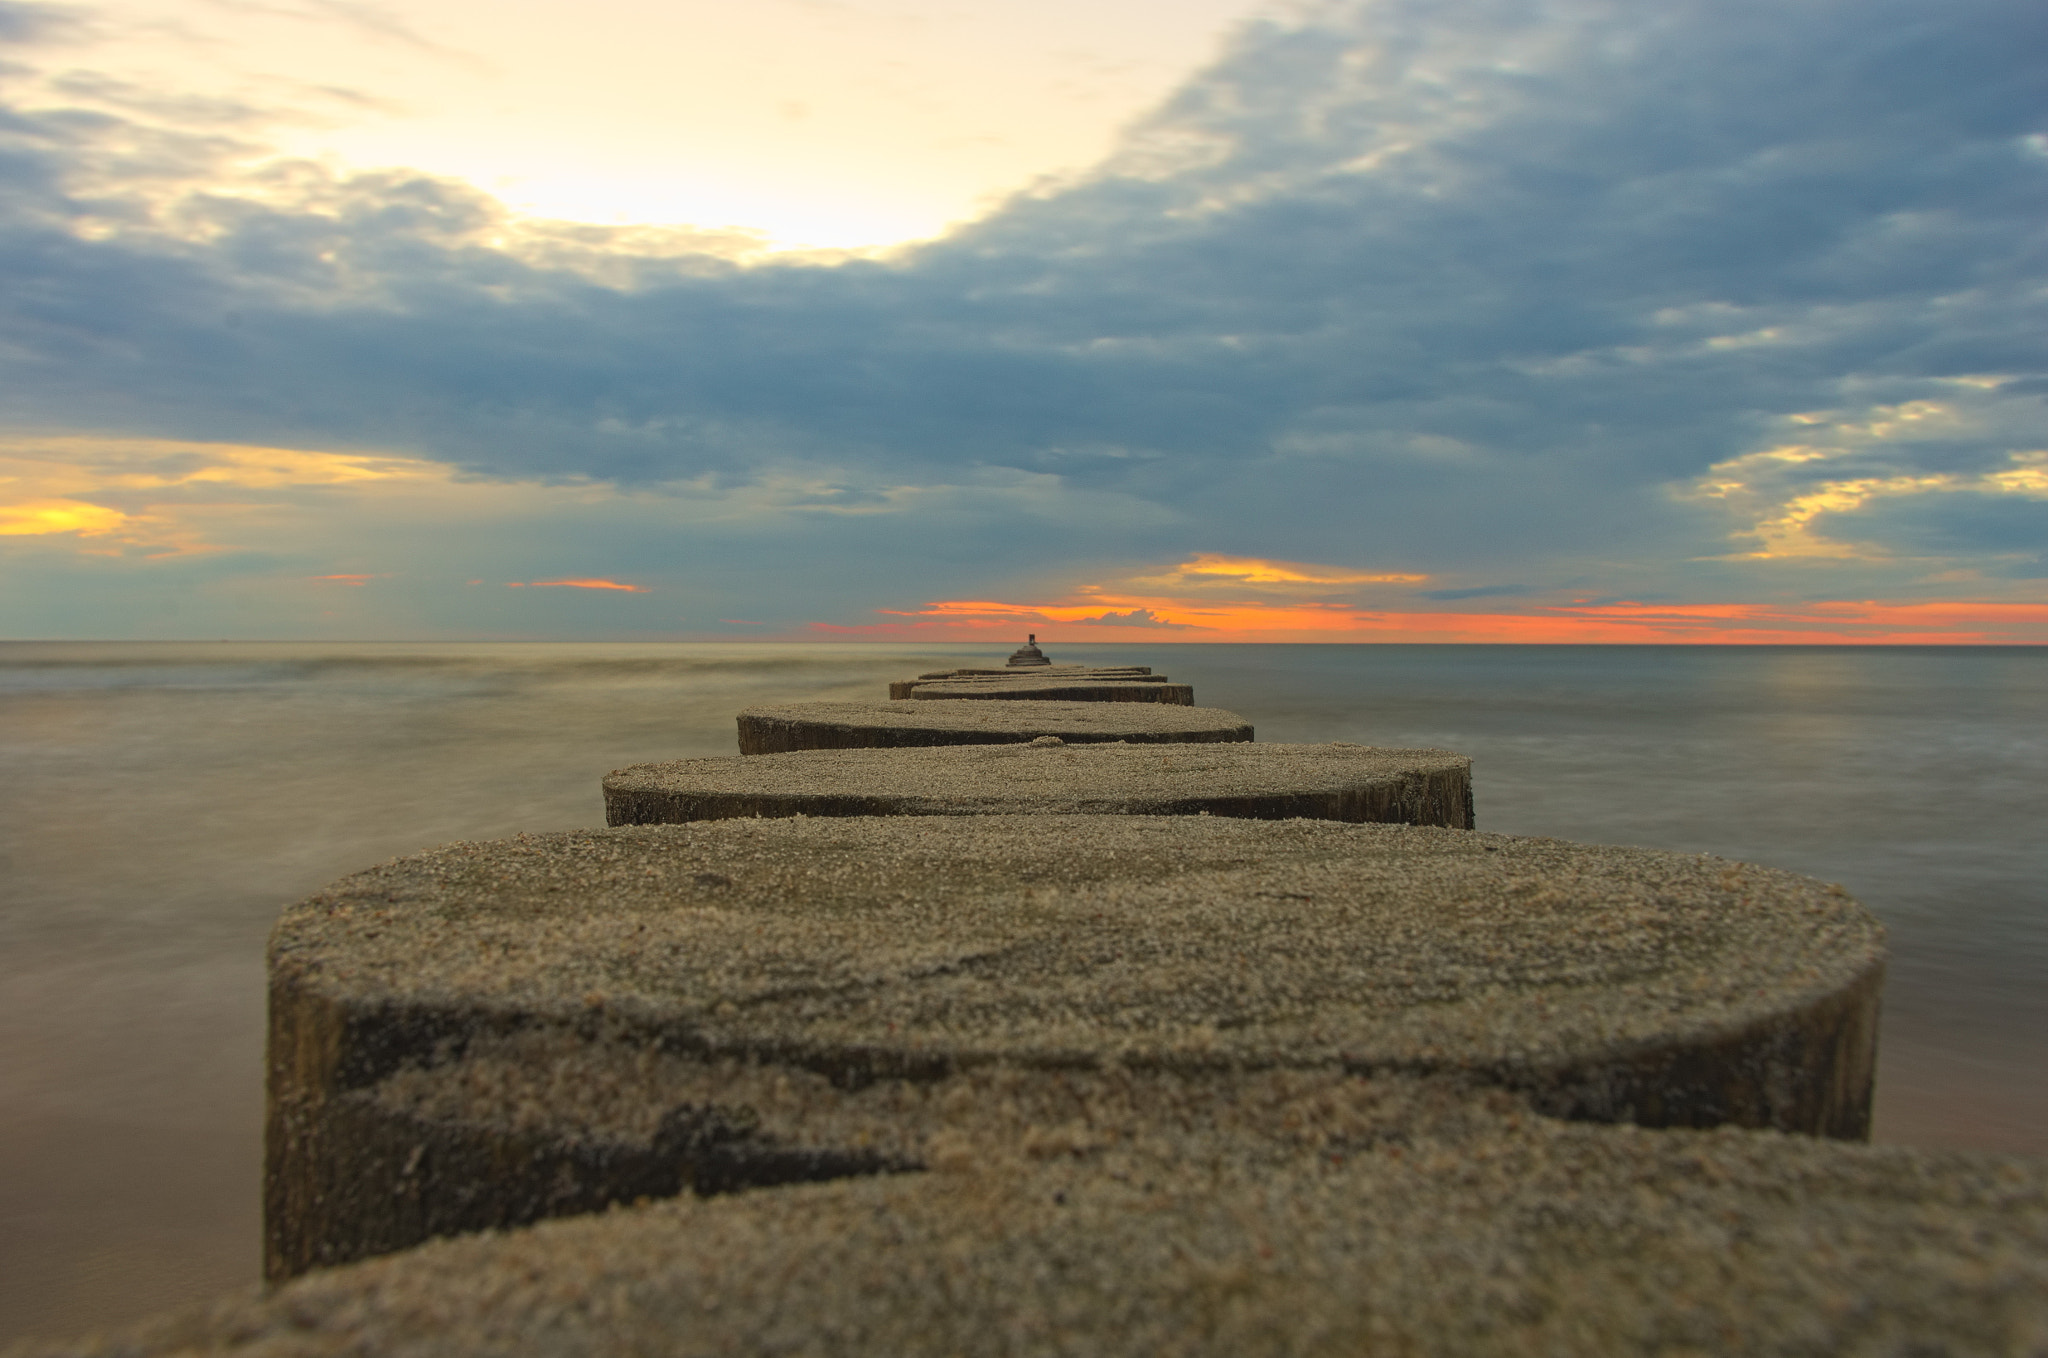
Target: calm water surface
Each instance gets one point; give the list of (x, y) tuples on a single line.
[(160, 802)]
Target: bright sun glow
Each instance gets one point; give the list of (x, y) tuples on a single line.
[(28, 518), (853, 124)]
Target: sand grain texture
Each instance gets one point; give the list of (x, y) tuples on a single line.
[(1036, 689), (1299, 1213), (1271, 782), (784, 727), (488, 1034)]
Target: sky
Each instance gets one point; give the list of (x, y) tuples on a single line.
[(1165, 320)]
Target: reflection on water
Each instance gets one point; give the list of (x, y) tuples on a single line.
[(162, 800)]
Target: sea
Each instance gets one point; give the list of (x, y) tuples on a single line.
[(160, 801)]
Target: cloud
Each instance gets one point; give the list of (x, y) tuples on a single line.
[(1123, 609), (1832, 491), (576, 584), (26, 518), (162, 497), (168, 537), (1626, 622), (1258, 571), (1135, 617), (24, 24), (1695, 301)]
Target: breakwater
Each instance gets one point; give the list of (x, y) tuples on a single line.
[(1212, 1046), (782, 728), (1047, 776)]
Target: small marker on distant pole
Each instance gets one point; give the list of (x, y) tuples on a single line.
[(1028, 653)]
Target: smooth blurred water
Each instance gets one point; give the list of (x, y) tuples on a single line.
[(161, 801)]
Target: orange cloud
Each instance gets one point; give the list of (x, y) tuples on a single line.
[(575, 584), (168, 497), (346, 579), (1254, 570), (1108, 618)]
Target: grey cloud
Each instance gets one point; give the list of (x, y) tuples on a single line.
[(1135, 617), (1438, 280), (178, 110), (24, 23), (2007, 535)]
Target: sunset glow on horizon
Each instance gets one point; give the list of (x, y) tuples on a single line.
[(1836, 622)]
